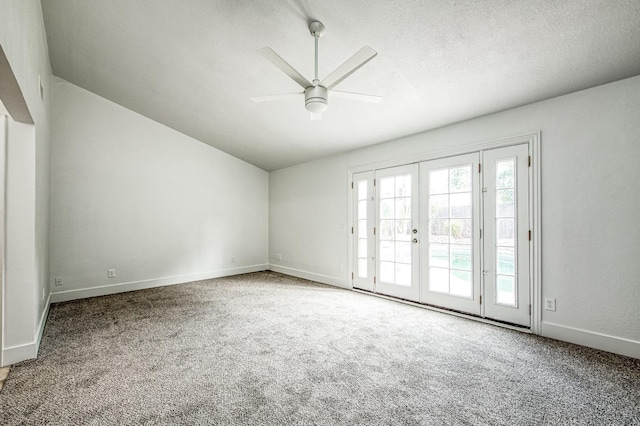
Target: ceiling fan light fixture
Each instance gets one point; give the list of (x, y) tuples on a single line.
[(316, 93), (315, 99)]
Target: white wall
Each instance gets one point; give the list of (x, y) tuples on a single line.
[(155, 205), (20, 219), (23, 40), (590, 147)]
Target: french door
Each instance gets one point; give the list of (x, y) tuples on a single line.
[(397, 258), (450, 206), (363, 230), (506, 234), (451, 232)]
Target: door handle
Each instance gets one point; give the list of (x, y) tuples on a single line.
[(415, 241)]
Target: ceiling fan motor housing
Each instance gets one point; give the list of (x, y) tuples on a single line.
[(315, 98)]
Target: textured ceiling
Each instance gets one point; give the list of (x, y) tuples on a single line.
[(192, 64)]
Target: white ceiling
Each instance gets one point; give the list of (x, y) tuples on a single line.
[(192, 64)]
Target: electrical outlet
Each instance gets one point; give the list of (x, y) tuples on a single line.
[(111, 273), (43, 293), (58, 281), (233, 259), (549, 304), (341, 266), (279, 256)]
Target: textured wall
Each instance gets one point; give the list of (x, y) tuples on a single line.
[(155, 205), (590, 205)]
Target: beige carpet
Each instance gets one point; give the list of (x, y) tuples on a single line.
[(265, 348)]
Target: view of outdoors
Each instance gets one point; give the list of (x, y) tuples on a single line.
[(362, 229), (395, 230), (450, 236), (505, 233)]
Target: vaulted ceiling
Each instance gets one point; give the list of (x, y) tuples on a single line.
[(192, 64)]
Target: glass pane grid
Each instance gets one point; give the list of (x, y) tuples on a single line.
[(362, 236), (506, 226), (450, 231), (395, 230)]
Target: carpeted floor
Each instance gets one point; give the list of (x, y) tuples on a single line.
[(265, 348)]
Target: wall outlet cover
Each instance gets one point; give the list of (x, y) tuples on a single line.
[(549, 304)]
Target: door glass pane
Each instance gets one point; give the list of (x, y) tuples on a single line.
[(387, 251), (362, 268), (362, 228), (460, 257), (386, 229), (387, 187), (504, 203), (403, 186), (451, 231), (461, 230), (362, 247), (506, 224), (362, 190), (439, 182), (403, 252), (439, 280), (403, 208), (460, 179), (362, 209), (403, 230), (505, 171), (506, 260), (461, 284), (439, 205), (506, 290), (387, 209), (403, 274), (461, 205), (505, 232), (439, 231), (387, 273), (439, 255)]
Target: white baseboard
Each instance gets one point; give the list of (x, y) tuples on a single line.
[(83, 293), (42, 323), (27, 351), (592, 339), (312, 276), (19, 353)]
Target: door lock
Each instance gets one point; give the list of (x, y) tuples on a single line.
[(415, 231)]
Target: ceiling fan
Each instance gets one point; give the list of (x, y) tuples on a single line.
[(316, 93)]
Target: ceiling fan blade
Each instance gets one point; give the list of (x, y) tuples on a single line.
[(356, 96), (352, 64), (276, 97), (284, 66), (315, 115)]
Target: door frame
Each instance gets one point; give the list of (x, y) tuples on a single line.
[(535, 260)]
